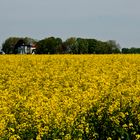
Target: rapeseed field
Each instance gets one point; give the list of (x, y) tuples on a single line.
[(69, 97)]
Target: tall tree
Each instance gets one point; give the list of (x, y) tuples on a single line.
[(48, 45), (72, 46), (8, 45), (29, 40), (82, 46), (115, 47), (92, 44)]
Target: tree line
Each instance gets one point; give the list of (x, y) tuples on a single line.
[(72, 45)]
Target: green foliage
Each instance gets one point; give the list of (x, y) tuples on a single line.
[(82, 46), (92, 44), (49, 45), (10, 45), (52, 45), (71, 45), (131, 50)]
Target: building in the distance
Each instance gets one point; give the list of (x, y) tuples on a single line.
[(26, 49)]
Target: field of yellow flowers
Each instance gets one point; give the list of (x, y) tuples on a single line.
[(70, 97)]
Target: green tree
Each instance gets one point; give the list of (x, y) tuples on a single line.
[(99, 49), (131, 50), (29, 40), (125, 50), (82, 46), (72, 46), (108, 47), (92, 44), (115, 48), (49, 45), (8, 45)]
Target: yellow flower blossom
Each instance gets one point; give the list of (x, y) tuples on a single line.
[(69, 97)]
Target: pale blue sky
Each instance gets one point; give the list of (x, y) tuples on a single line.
[(101, 19)]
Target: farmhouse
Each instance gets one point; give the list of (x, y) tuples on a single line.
[(26, 49)]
